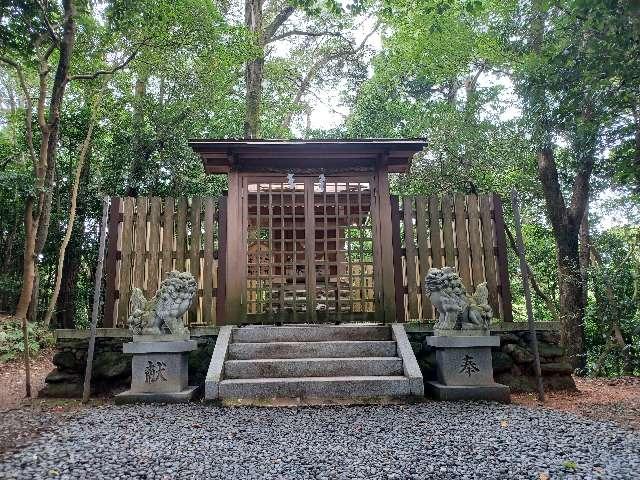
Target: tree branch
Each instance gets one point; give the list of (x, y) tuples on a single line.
[(534, 284), (276, 23), (52, 33), (293, 32), (111, 71), (28, 108)]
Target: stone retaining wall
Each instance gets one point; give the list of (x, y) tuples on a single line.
[(111, 367), (512, 361)]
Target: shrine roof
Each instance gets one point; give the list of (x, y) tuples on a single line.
[(221, 155)]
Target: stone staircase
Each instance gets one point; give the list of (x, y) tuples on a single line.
[(313, 362)]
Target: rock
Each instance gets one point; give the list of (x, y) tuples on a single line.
[(199, 363), (502, 362), (417, 347), (62, 390), (517, 383), (518, 353), (65, 360), (509, 338), (111, 365), (550, 337), (428, 366), (557, 367), (57, 376), (560, 382), (549, 350)]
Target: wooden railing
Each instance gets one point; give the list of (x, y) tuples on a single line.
[(462, 231), (149, 237)]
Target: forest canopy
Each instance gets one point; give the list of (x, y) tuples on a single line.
[(100, 98)]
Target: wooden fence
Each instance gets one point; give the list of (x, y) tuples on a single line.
[(149, 237), (462, 231)]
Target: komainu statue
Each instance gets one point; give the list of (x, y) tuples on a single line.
[(456, 309), (163, 312)]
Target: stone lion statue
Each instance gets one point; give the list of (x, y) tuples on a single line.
[(456, 309), (163, 312)]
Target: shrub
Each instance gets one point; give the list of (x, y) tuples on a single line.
[(12, 345)]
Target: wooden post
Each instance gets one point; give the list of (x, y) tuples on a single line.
[(501, 259), (112, 260), (385, 240), (397, 258), (27, 360), (221, 313), (527, 294), (236, 252), (86, 390)]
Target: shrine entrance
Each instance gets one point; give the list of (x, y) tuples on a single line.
[(307, 228), (310, 246)]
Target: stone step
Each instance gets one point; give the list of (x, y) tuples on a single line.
[(331, 349), (316, 387), (313, 367), (310, 333)]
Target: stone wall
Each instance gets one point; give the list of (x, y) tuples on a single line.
[(111, 367), (512, 361)]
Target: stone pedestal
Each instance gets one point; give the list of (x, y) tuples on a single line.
[(464, 369), (159, 370)]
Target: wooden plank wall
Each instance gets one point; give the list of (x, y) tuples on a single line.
[(461, 231), (149, 237)]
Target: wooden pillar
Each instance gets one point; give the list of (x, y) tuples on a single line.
[(385, 239), (235, 257)]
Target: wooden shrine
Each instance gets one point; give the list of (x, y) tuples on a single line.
[(306, 226), (307, 232)]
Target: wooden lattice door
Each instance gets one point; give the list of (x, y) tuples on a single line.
[(310, 250)]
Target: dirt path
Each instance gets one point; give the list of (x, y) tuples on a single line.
[(611, 399), (12, 380)]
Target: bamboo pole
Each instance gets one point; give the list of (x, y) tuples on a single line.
[(86, 390), (524, 268)]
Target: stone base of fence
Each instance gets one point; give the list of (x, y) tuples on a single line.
[(512, 360)]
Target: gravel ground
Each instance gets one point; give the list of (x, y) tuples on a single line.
[(430, 440)]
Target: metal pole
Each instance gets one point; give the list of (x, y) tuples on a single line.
[(86, 391), (527, 293)]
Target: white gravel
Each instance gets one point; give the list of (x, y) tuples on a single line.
[(431, 440)]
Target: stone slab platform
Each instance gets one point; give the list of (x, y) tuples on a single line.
[(166, 397), (496, 392)]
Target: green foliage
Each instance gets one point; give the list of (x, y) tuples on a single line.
[(12, 343), (614, 309)]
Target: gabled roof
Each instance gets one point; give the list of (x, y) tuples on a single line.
[(218, 155)]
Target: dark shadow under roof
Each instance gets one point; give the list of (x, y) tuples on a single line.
[(219, 155)]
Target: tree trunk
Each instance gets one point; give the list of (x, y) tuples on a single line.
[(565, 224), (66, 307), (29, 261), (139, 144), (72, 209), (37, 226), (571, 301), (254, 69), (636, 156), (585, 255)]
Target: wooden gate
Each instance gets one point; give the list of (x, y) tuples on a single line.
[(310, 249)]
